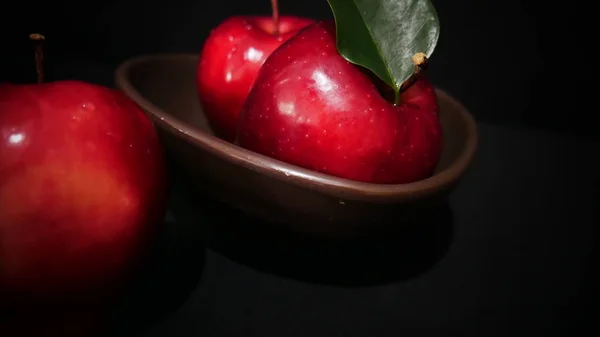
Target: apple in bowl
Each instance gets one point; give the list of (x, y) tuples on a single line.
[(230, 60), (306, 183)]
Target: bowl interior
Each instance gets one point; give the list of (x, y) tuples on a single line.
[(165, 86)]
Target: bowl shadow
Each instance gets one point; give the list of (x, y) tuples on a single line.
[(396, 255)]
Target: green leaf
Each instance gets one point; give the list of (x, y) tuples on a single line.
[(383, 35)]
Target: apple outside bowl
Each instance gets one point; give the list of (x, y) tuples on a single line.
[(280, 194)]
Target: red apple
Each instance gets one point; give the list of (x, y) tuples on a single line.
[(312, 108), (82, 188), (230, 60)]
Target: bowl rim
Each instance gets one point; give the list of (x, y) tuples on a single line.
[(321, 182)]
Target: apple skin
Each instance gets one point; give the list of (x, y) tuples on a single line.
[(229, 63), (82, 188), (312, 108)]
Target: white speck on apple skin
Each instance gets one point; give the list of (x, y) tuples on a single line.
[(88, 106)]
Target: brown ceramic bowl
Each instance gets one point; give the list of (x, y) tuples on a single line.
[(276, 192)]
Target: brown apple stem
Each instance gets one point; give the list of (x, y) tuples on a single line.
[(275, 8), (38, 39), (421, 62)]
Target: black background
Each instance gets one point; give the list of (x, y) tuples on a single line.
[(522, 62), (517, 65)]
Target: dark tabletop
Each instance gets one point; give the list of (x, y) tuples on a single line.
[(516, 261)]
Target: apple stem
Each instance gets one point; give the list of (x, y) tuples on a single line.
[(421, 62), (275, 8), (38, 39)]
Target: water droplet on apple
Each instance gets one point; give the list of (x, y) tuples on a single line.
[(16, 138), (88, 106)]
